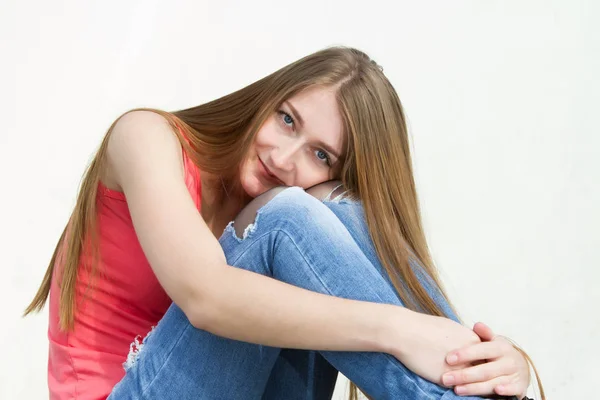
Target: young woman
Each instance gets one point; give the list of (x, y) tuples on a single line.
[(164, 186)]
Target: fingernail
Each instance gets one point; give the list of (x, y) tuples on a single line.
[(448, 380), (460, 390), (452, 359)]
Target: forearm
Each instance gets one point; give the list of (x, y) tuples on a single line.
[(253, 308)]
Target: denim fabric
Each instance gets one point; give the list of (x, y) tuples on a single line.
[(323, 247)]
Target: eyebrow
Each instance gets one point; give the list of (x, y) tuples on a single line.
[(298, 117)]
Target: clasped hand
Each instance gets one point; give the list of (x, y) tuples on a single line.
[(474, 362)]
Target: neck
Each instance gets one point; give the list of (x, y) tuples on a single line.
[(221, 202)]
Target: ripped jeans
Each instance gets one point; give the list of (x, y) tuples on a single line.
[(320, 246)]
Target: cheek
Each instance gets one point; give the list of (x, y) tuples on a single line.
[(310, 175), (251, 185), (268, 135)]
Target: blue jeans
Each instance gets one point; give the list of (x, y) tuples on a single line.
[(320, 246)]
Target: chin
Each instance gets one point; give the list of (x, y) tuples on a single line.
[(250, 181), (253, 187)]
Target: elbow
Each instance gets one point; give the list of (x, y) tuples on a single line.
[(200, 305), (197, 310), (200, 320)]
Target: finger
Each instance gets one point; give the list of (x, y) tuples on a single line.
[(479, 373), (481, 388), (509, 389), (479, 351), (484, 332)]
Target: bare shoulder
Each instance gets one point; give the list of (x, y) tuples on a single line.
[(138, 140), (136, 125)]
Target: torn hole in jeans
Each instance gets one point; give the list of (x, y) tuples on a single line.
[(249, 229), (135, 348)]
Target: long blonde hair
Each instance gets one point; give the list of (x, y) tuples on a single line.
[(377, 168)]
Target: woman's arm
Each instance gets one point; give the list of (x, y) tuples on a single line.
[(144, 158)]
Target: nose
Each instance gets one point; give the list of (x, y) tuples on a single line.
[(283, 157)]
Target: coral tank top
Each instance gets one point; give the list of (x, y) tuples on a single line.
[(125, 302)]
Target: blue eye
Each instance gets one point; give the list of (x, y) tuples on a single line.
[(323, 156), (287, 118)]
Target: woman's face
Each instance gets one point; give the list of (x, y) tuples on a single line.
[(299, 145)]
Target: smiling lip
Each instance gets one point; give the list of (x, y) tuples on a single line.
[(271, 175)]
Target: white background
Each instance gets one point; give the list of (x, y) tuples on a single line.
[(502, 99)]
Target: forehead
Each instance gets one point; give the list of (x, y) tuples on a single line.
[(318, 108)]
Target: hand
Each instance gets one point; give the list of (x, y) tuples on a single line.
[(500, 369), (427, 340)]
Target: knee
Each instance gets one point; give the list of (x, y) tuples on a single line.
[(246, 218), (327, 190), (295, 202)]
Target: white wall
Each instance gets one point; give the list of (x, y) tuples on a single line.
[(501, 97)]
